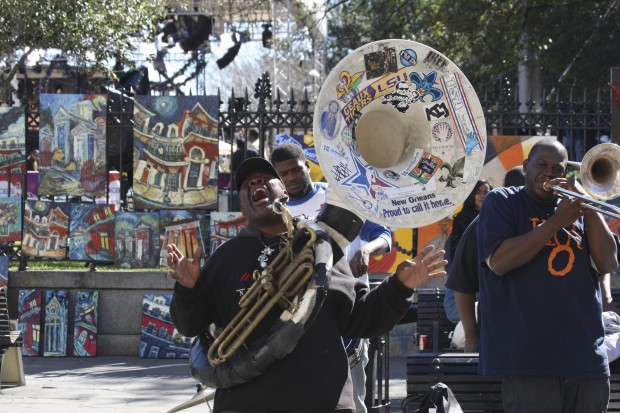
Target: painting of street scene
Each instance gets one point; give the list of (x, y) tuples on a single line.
[(184, 228), (85, 323), (29, 320), (10, 220), (91, 233), (159, 338), (12, 140), (136, 238), (46, 227), (224, 226), (175, 152), (72, 145)]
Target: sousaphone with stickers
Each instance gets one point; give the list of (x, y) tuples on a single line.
[(400, 133), (401, 138)]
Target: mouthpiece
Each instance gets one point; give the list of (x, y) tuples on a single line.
[(547, 186)]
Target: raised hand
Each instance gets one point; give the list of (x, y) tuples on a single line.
[(185, 271), (424, 267)]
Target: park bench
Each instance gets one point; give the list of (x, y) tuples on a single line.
[(459, 371), (9, 337)]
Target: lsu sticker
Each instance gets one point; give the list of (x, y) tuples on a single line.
[(380, 63), (371, 92), (459, 106)]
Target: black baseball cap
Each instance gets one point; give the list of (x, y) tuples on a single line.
[(251, 165)]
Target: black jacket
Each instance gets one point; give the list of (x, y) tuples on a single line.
[(315, 376)]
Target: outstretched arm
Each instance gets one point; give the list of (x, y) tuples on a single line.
[(423, 268)]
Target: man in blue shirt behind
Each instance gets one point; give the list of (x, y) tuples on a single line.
[(307, 198)]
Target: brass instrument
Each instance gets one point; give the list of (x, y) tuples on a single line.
[(600, 178), (279, 283)]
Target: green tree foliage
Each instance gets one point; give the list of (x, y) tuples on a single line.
[(577, 42), (88, 32)]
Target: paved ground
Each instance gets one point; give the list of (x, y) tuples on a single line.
[(122, 385)]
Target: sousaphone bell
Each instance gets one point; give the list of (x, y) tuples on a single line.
[(399, 133)]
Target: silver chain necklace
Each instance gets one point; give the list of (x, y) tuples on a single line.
[(263, 258)]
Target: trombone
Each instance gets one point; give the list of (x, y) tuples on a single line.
[(600, 178)]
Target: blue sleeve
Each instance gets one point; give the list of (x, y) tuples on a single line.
[(449, 306), (495, 224), (370, 231)]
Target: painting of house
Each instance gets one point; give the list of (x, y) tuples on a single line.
[(85, 323), (182, 228), (46, 227), (224, 226), (175, 152), (29, 320), (72, 144), (12, 140), (91, 233), (10, 220), (136, 238), (159, 338), (56, 322)]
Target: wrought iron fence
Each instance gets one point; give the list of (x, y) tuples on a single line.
[(578, 120)]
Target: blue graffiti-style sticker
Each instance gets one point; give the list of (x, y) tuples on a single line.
[(284, 138), (311, 155), (408, 57), (425, 85), (330, 120)]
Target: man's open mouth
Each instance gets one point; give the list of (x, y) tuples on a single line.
[(259, 194)]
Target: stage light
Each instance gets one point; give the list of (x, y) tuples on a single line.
[(267, 35)]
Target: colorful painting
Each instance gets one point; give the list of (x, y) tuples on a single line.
[(85, 326), (136, 237), (56, 322), (29, 320), (10, 220), (11, 185), (224, 226), (46, 227), (72, 144), (159, 338), (4, 271), (91, 233), (182, 228), (13, 140), (175, 152)]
